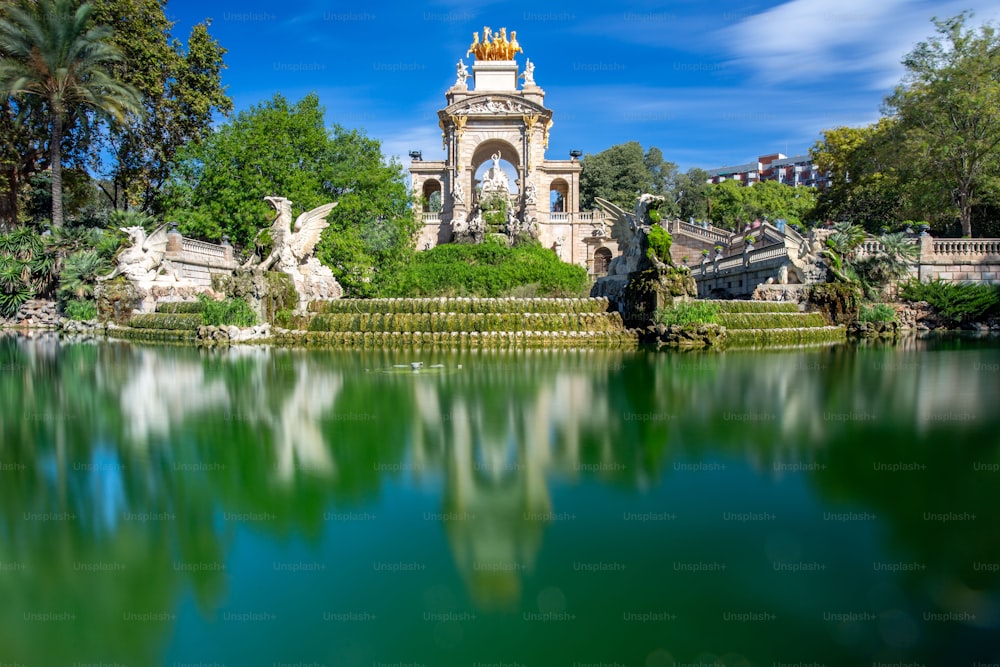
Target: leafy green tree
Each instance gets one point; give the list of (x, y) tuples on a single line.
[(734, 204), (692, 190), (181, 91), (618, 174), (49, 51), (948, 106), (870, 176), (278, 148)]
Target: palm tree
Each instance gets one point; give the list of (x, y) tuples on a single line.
[(47, 51)]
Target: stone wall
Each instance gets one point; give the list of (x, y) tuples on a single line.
[(34, 313)]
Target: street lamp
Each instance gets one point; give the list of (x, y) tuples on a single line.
[(575, 154), (417, 155)]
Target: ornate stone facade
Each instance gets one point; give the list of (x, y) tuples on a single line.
[(497, 118)]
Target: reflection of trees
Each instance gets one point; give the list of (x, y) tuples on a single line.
[(290, 433)]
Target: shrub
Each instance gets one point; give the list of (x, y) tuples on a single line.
[(229, 312), (876, 312), (688, 312), (26, 269), (955, 302), (488, 270), (80, 309)]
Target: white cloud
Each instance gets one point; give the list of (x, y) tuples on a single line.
[(815, 40)]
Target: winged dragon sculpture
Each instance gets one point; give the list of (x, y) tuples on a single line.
[(292, 248), (144, 261)]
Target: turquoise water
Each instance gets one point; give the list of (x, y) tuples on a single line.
[(173, 506)]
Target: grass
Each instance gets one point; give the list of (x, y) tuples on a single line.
[(688, 312), (877, 312)]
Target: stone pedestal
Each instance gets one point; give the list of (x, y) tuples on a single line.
[(495, 75)]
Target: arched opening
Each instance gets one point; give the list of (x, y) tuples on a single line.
[(506, 172), (558, 196), (602, 259), (432, 196)]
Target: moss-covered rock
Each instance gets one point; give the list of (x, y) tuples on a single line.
[(116, 300), (684, 336), (873, 329), (839, 303), (651, 289), (267, 293)]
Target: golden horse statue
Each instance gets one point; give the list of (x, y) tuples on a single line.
[(495, 46)]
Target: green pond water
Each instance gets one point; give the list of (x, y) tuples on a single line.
[(174, 506)]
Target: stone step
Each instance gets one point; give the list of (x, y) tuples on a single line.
[(457, 322), (752, 321), (462, 305), (464, 339), (786, 336), (744, 306)]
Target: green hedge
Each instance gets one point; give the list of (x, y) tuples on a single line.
[(488, 270)]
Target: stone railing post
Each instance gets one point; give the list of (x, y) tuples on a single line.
[(175, 242), (925, 270)]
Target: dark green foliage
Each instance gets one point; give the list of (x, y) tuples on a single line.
[(956, 302), (660, 241), (876, 312), (25, 268), (734, 205), (487, 269), (80, 309), (688, 312), (228, 312)]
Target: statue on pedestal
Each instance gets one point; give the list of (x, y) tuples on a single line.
[(462, 75)]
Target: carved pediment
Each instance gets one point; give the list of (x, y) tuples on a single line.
[(495, 105)]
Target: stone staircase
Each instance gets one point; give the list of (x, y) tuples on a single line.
[(760, 323)]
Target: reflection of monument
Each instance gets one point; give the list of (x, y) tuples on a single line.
[(495, 119)]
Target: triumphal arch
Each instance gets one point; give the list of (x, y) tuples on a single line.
[(497, 118)]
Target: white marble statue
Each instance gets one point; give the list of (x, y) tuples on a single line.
[(529, 73), (143, 262), (530, 193), (292, 250), (458, 192), (462, 75)]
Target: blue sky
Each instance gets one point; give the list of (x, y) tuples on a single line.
[(709, 83)]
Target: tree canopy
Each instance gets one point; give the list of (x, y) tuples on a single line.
[(182, 92), (283, 148), (51, 51), (733, 205)]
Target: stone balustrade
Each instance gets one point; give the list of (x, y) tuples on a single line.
[(197, 261)]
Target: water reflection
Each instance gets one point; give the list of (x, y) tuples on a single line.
[(118, 462)]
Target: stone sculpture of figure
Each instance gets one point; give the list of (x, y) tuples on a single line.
[(530, 193), (529, 73), (458, 192), (144, 261), (461, 75)]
